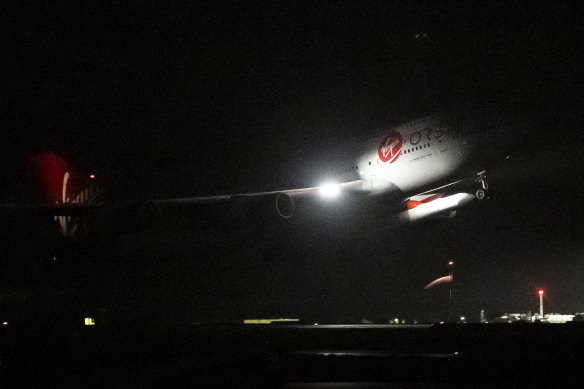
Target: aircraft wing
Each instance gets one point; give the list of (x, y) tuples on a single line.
[(283, 199), (328, 190), (69, 196)]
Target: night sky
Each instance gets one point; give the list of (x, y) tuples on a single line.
[(164, 100)]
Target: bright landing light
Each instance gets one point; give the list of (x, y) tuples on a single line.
[(329, 190)]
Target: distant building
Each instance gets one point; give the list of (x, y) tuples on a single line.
[(529, 318), (557, 318)]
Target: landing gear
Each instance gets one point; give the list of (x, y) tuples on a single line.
[(480, 194), (482, 188)]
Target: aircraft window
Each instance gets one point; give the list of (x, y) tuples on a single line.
[(370, 163)]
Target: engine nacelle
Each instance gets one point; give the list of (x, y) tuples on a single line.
[(284, 205)]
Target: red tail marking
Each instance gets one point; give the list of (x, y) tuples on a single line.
[(59, 181), (413, 204)]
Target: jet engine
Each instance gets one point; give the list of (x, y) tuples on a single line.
[(284, 205)]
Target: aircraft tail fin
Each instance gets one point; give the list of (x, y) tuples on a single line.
[(60, 182)]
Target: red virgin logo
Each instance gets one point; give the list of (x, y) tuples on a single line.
[(390, 147)]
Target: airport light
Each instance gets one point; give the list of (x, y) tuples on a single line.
[(92, 176), (89, 321), (540, 293), (450, 263)]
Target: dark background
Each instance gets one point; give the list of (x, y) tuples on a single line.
[(166, 100)]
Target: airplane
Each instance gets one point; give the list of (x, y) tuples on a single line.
[(425, 168)]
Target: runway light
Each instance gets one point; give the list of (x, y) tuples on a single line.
[(540, 292), (450, 263), (268, 321), (92, 176), (329, 190), (89, 321), (5, 323)]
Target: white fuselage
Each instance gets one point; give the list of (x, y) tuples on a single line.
[(410, 157)]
